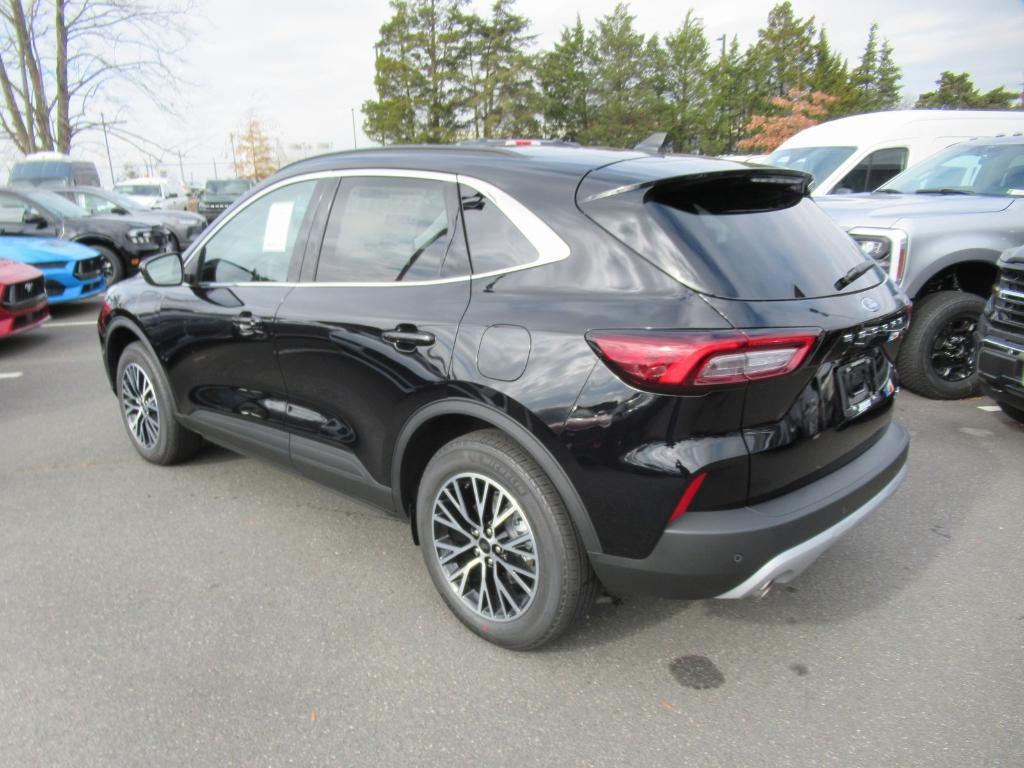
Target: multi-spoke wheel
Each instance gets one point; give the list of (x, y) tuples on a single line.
[(938, 358), (499, 543), (485, 546), (141, 410), (147, 410)]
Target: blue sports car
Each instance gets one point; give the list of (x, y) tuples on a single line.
[(72, 271)]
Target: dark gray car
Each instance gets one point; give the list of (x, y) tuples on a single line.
[(183, 226), (938, 228)]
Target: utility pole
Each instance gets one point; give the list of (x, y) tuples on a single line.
[(234, 160), (215, 169), (722, 38), (353, 128), (181, 167), (106, 141)]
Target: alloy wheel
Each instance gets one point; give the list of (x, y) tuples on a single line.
[(954, 349), (485, 547), (141, 410)]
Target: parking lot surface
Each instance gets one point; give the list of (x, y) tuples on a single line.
[(227, 613)]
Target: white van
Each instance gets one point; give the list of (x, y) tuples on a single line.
[(154, 192), (861, 153)]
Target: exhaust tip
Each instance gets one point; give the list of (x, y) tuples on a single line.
[(764, 589)]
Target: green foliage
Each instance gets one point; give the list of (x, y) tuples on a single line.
[(959, 92), (443, 73)]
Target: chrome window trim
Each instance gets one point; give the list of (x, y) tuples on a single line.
[(549, 246)]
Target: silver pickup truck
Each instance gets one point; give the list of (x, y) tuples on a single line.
[(939, 228)]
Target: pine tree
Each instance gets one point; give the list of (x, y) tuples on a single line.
[(957, 91), (420, 79), (874, 82), (565, 75), (686, 76), (628, 99), (731, 99), (786, 50), (503, 97), (830, 74)]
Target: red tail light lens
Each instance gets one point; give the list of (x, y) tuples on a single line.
[(105, 310), (676, 361)]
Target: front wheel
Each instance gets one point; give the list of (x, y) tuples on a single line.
[(939, 357), (147, 411), (113, 265), (499, 544)]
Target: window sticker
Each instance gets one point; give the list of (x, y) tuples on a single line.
[(279, 218)]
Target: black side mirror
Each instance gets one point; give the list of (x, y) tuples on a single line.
[(171, 195), (163, 271), (35, 219)]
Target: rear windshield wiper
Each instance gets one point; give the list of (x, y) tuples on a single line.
[(854, 273), (942, 191)]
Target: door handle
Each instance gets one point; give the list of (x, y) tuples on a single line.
[(406, 338), (247, 325)]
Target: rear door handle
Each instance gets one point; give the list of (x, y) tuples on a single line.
[(407, 337)]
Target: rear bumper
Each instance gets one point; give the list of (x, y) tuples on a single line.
[(738, 552)]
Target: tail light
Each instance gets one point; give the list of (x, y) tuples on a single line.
[(674, 362)]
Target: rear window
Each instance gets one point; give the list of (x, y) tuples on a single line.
[(737, 236), (38, 170)]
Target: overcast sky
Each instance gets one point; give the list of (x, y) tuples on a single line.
[(303, 65)]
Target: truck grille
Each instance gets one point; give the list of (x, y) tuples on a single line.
[(23, 294), (1008, 310)]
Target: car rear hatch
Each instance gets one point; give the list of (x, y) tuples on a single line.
[(762, 254)]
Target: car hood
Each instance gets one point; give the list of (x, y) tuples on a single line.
[(157, 217), (35, 250), (145, 202), (15, 272), (880, 209), (131, 220)]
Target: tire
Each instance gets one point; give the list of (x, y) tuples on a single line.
[(939, 357), (1012, 411), (113, 265), (563, 583), (156, 434)]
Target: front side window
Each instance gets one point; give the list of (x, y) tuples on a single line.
[(94, 203), (874, 170), (495, 243), (387, 229), (13, 210), (260, 242)]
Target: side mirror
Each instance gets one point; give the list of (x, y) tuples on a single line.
[(163, 271), (172, 194), (117, 210), (34, 219)]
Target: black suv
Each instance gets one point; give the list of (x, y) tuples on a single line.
[(1001, 359), (218, 195), (566, 367), (122, 242)]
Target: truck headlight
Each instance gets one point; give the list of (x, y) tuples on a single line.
[(886, 246), (140, 236)]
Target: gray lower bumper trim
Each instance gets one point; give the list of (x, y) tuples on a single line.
[(787, 565)]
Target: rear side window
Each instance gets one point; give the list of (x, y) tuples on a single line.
[(734, 237), (874, 170), (384, 230), (495, 243)]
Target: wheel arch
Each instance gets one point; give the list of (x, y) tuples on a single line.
[(99, 240), (120, 332), (968, 271), (442, 421)]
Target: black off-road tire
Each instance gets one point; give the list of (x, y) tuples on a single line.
[(173, 443), (931, 315), (566, 584)]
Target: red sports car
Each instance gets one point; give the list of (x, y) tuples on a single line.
[(23, 302)]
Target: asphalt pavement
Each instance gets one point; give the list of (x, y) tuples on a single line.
[(227, 613)]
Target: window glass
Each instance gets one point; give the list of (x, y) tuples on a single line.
[(969, 169), (874, 170), (820, 162), (12, 210), (94, 203), (385, 230), (259, 243), (494, 241)]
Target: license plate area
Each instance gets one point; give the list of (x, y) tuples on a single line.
[(856, 383)]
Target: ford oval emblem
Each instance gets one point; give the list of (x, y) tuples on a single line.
[(870, 304)]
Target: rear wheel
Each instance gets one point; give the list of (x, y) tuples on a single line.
[(499, 544), (113, 265), (939, 358), (147, 412)]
